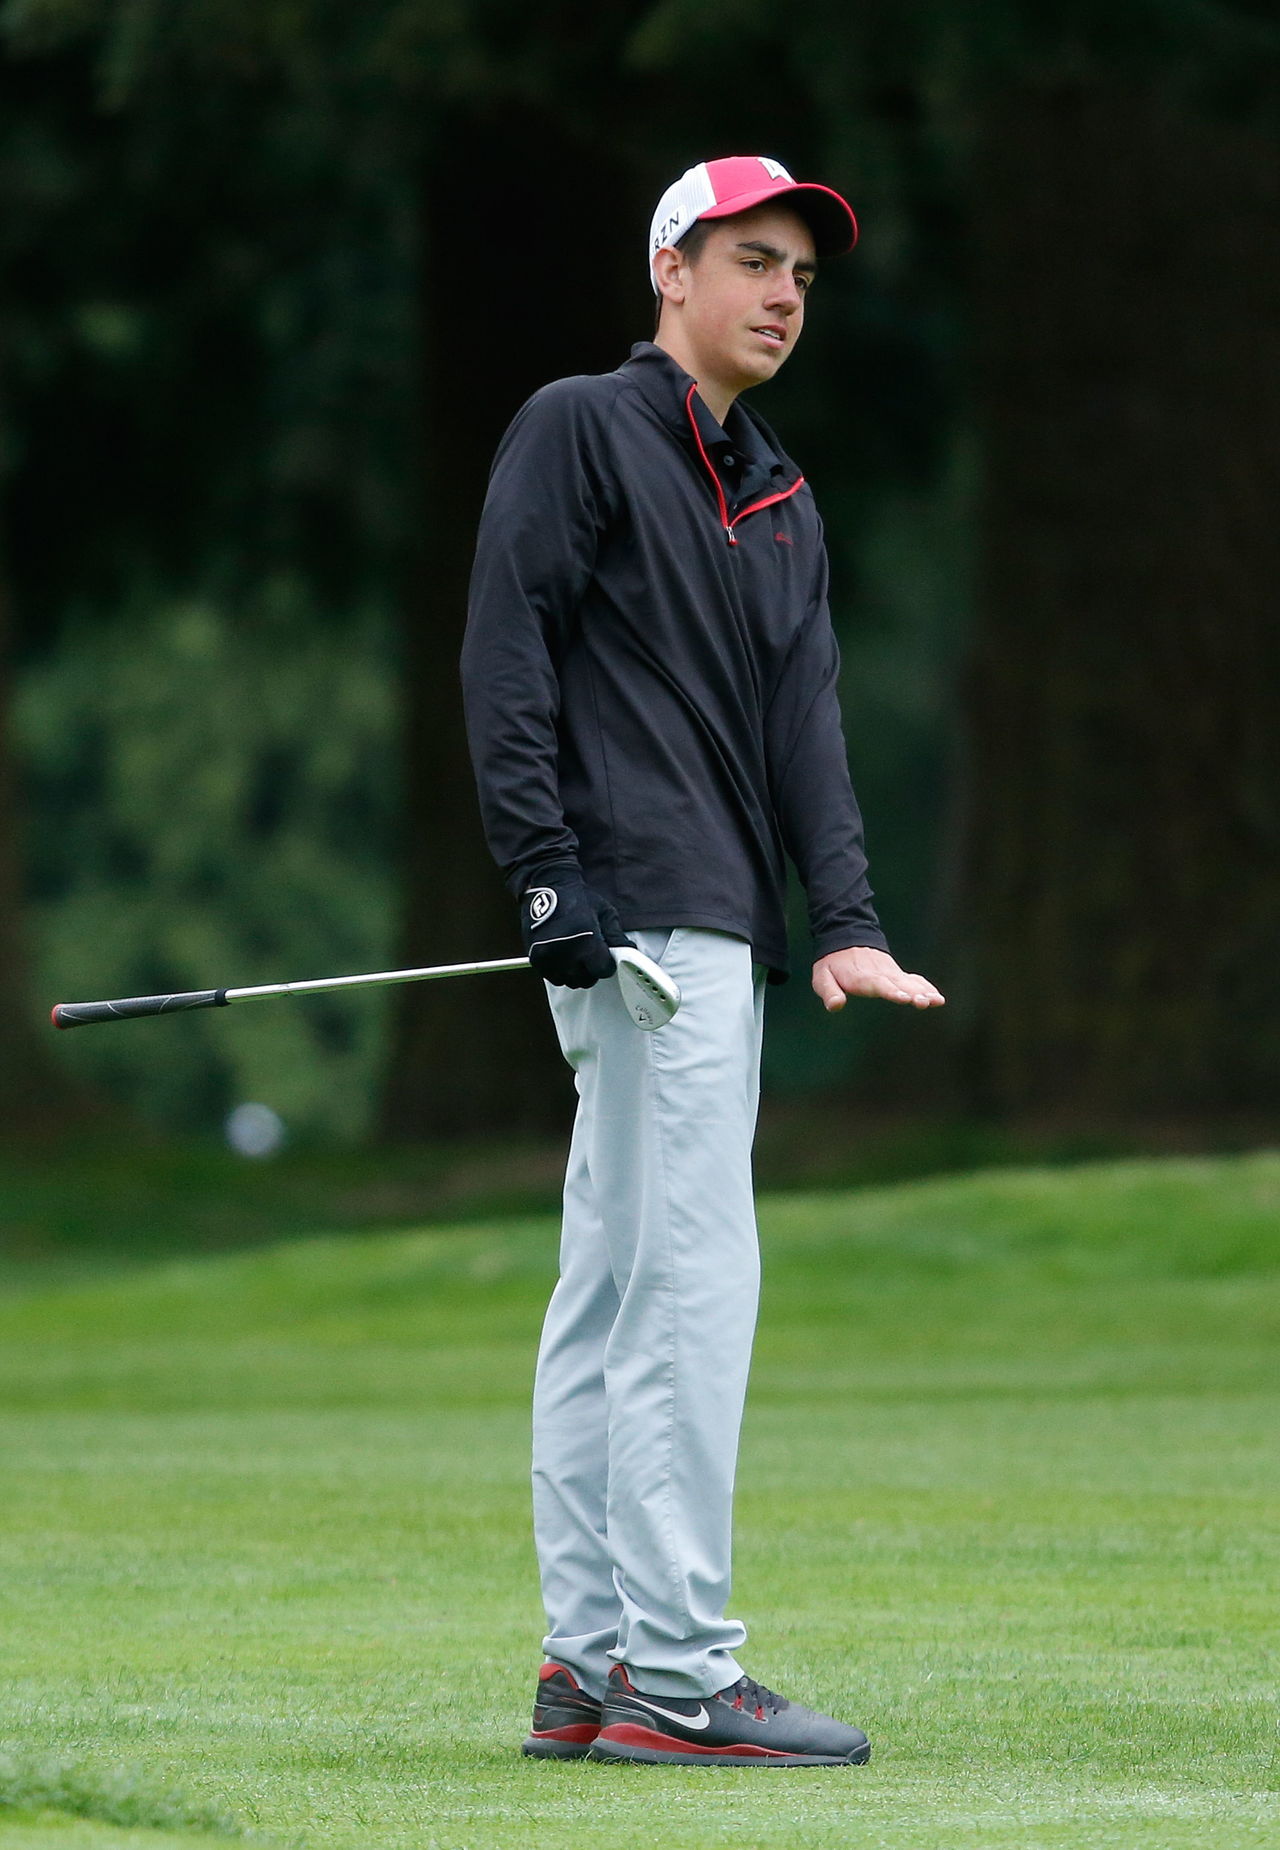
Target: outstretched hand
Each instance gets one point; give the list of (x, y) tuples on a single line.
[(864, 971)]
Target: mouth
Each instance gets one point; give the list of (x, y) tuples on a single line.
[(772, 332)]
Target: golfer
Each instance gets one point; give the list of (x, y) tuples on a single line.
[(650, 682)]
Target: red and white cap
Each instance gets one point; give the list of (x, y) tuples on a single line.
[(718, 189)]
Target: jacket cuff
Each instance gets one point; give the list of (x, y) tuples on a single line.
[(852, 938)]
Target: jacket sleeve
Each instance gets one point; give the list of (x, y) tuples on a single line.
[(547, 502), (812, 793)]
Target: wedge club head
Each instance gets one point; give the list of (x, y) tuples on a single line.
[(649, 995)]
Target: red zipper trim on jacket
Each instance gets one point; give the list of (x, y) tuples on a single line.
[(725, 522)]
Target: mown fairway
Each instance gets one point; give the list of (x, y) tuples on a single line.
[(1009, 1500)]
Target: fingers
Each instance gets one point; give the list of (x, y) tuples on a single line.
[(827, 990), (890, 988), (914, 991), (869, 972), (919, 991)]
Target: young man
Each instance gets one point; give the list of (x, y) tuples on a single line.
[(649, 674)]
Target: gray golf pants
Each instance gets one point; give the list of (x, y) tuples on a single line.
[(646, 1347)]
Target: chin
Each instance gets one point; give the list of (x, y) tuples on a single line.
[(767, 359), (766, 366)]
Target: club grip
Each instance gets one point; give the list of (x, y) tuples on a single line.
[(80, 1014)]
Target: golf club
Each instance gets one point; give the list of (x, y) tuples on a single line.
[(649, 995)]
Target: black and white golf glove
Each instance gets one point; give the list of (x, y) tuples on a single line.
[(568, 928)]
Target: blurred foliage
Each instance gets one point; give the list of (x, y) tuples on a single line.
[(234, 336), (233, 274), (206, 332), (213, 798)]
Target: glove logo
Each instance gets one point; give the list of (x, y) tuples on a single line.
[(542, 903)]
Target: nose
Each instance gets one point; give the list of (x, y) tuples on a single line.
[(784, 294)]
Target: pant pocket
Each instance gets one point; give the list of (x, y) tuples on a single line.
[(654, 941)]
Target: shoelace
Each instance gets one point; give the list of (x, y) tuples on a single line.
[(749, 1695)]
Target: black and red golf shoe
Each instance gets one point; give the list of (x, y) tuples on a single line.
[(565, 1719), (744, 1725)]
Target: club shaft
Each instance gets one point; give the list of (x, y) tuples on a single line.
[(129, 1008), (315, 985)]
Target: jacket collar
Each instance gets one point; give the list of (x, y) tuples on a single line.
[(760, 464)]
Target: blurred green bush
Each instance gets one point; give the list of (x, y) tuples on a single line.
[(211, 801)]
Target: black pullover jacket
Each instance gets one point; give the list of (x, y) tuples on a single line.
[(649, 670)]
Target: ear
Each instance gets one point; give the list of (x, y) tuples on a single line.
[(670, 271)]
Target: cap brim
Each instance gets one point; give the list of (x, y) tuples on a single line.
[(828, 216)]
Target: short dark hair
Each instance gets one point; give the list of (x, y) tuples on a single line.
[(690, 246)]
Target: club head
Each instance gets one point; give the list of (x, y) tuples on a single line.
[(649, 995)]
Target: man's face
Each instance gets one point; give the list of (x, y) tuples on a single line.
[(744, 295)]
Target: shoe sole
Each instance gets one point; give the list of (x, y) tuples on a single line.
[(545, 1749), (666, 1756)]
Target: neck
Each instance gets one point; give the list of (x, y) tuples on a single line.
[(714, 393)]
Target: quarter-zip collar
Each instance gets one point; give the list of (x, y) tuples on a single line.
[(732, 511), (741, 460)]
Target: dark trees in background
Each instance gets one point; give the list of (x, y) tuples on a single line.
[(323, 265), (196, 299), (35, 1095), (41, 190), (1121, 899)]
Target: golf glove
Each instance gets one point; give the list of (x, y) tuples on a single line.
[(568, 928)]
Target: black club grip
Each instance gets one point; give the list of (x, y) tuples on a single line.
[(80, 1014)]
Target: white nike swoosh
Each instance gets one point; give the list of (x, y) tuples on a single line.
[(700, 1720)]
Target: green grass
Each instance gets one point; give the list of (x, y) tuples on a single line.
[(1008, 1499)]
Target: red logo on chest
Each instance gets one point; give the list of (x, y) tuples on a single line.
[(784, 539)]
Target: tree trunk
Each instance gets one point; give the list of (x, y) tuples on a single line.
[(512, 296), (1121, 887)]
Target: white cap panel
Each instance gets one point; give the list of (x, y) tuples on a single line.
[(679, 208)]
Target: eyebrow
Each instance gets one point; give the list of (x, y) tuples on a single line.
[(771, 250)]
